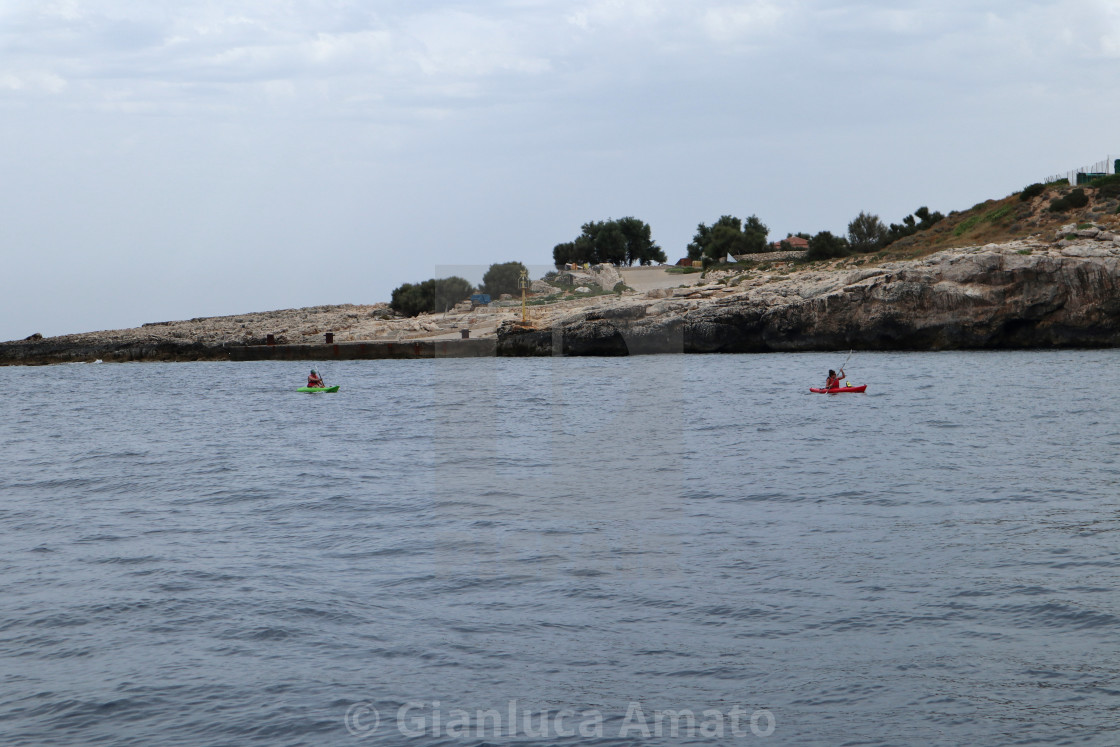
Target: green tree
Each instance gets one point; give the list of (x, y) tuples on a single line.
[(607, 242), (623, 241), (430, 296), (756, 232), (866, 232), (926, 218), (911, 225), (728, 235), (408, 299), (826, 246), (502, 278), (700, 239), (724, 240), (698, 248), (563, 254), (640, 246), (450, 291)]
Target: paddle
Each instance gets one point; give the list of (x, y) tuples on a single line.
[(842, 375)]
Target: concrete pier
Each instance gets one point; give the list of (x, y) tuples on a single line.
[(463, 348)]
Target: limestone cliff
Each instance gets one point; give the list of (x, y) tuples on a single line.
[(1022, 294)]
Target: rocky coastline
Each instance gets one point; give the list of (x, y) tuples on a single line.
[(1038, 292), (1017, 295)]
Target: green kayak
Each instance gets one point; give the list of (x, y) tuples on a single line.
[(317, 389)]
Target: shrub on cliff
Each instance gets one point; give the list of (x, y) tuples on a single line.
[(911, 224), (1107, 186), (430, 296), (502, 277), (1075, 199), (1032, 191), (826, 246), (926, 219), (866, 232)]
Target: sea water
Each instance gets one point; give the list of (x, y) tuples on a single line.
[(632, 551)]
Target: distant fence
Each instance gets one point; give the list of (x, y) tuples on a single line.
[(1103, 168)]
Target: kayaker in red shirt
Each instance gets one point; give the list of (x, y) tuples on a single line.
[(314, 380), (832, 382)]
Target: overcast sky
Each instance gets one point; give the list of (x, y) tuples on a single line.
[(170, 159)]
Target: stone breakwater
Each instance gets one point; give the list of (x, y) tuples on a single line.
[(1024, 294), (199, 339), (358, 331), (1031, 293)]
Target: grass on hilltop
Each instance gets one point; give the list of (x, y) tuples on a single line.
[(1011, 218)]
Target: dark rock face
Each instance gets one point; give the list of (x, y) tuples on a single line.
[(995, 298), (60, 350)]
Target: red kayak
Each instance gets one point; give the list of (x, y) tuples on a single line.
[(838, 389)]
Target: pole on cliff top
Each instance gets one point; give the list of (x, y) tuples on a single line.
[(523, 284)]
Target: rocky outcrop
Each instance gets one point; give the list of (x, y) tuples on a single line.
[(605, 276), (1018, 295), (541, 288), (201, 338)]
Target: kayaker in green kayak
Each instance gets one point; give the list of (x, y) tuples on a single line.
[(314, 380)]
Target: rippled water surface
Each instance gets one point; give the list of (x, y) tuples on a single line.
[(195, 554)]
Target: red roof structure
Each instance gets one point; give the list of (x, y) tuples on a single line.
[(796, 243)]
